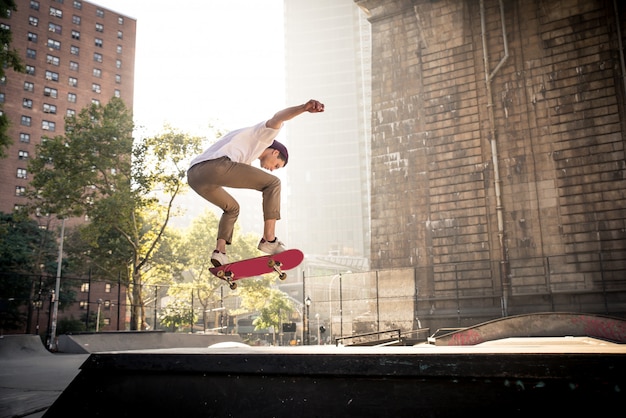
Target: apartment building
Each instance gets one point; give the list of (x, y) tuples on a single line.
[(75, 53)]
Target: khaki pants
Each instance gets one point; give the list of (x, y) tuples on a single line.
[(209, 178)]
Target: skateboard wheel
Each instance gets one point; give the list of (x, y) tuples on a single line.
[(233, 286), (271, 262), (220, 273), (282, 276)]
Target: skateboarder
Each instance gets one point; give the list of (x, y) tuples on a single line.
[(227, 163)]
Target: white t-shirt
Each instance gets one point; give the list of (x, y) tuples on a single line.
[(242, 145)]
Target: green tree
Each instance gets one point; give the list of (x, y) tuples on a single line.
[(272, 305), (9, 58), (177, 314), (194, 255), (125, 189), (27, 254)]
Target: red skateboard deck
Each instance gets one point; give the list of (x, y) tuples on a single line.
[(257, 266)]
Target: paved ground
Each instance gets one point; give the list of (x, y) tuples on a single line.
[(31, 378)]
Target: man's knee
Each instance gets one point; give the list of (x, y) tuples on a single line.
[(274, 184)]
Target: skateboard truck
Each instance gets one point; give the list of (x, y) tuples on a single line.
[(276, 266), (228, 277)]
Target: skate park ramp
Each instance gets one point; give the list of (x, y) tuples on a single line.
[(83, 343), (517, 376), (31, 377), (19, 346), (539, 325)]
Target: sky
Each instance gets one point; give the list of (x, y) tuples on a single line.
[(206, 62), (202, 62)]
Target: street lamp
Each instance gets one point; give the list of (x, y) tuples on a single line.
[(98, 316), (307, 302)]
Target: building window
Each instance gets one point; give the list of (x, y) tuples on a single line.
[(20, 190), (120, 35), (84, 287), (73, 82), (95, 101), (54, 28), (71, 97), (107, 287), (97, 72), (117, 93), (120, 20), (74, 50), (97, 57), (33, 21), (47, 125), (75, 35), (83, 304), (54, 44), (56, 12), (118, 78), (50, 92), (98, 42), (52, 76), (95, 88), (27, 103), (22, 155), (29, 86), (118, 64), (73, 66), (70, 112), (76, 20), (30, 70), (99, 27), (49, 108), (34, 5), (32, 37), (25, 138), (26, 121), (99, 13), (78, 5), (51, 59), (119, 49), (31, 53), (21, 173)]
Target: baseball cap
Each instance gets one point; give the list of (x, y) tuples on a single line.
[(282, 149)]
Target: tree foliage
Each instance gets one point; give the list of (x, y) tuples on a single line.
[(27, 253), (9, 58), (124, 188), (195, 247)]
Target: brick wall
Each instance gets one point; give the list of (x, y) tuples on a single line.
[(554, 113)]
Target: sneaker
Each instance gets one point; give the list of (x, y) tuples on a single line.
[(218, 259), (271, 247)]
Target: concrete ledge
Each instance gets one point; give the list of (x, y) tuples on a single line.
[(349, 381)]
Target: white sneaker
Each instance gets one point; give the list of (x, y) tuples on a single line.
[(271, 247), (218, 259)]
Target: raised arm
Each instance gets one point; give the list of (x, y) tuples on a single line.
[(312, 106)]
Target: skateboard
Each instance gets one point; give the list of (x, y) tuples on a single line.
[(257, 266)]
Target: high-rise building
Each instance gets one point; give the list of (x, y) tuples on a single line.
[(76, 53), (327, 57)]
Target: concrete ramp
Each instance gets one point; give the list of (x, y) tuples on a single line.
[(84, 343), (17, 346), (327, 381), (540, 325)]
